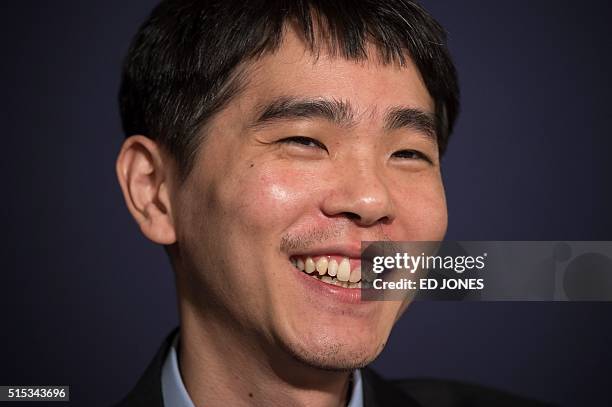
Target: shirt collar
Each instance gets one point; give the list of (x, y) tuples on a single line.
[(175, 394), (173, 388)]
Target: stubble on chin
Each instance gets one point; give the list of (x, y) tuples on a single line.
[(333, 356)]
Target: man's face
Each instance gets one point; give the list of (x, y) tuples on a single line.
[(335, 159)]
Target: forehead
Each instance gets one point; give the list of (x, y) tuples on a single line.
[(370, 85)]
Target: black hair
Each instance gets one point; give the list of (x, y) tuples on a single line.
[(184, 63)]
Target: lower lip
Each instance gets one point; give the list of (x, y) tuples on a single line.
[(333, 292)]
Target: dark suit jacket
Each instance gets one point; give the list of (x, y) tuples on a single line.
[(377, 392)]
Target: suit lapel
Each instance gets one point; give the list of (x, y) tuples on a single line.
[(148, 390), (378, 392)]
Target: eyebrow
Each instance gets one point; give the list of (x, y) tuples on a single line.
[(415, 119), (342, 114), (286, 108)]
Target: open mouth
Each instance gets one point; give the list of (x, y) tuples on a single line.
[(335, 270)]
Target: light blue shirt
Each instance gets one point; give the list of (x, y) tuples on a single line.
[(175, 394)]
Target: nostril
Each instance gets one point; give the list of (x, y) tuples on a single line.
[(352, 216), (385, 220), (364, 207)]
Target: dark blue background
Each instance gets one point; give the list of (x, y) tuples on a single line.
[(86, 300)]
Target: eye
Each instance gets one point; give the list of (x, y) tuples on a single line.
[(303, 141), (411, 155)]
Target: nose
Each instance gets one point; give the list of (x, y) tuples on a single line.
[(359, 193)]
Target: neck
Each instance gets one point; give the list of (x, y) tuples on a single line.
[(224, 365)]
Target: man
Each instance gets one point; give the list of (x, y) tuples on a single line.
[(267, 139)]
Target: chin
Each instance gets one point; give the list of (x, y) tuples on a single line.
[(329, 351), (336, 357)]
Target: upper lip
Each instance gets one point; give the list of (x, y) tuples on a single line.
[(350, 250)]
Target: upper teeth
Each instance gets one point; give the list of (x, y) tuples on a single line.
[(322, 265), (332, 267), (344, 270), (309, 265), (327, 268)]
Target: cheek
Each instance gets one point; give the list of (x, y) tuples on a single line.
[(267, 198), (421, 211)]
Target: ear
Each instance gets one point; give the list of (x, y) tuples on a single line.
[(145, 173)]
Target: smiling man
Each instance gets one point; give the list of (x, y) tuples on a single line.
[(266, 140)]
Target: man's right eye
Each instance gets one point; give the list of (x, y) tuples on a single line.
[(303, 141)]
